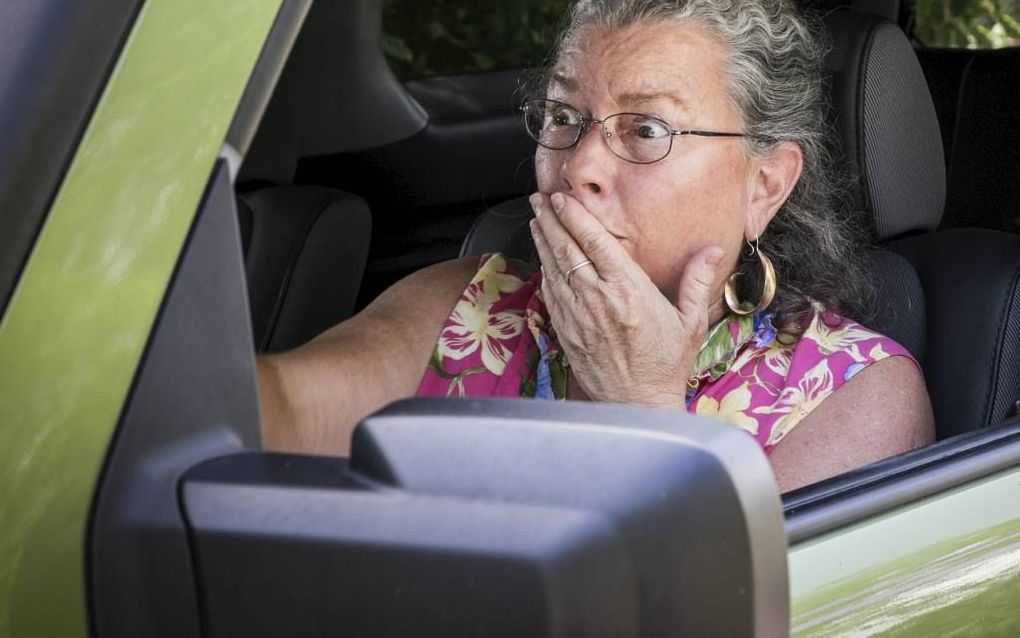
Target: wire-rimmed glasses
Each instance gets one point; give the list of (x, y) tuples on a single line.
[(635, 137)]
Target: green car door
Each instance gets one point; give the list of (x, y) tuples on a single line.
[(80, 316)]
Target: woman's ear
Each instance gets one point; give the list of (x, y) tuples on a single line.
[(774, 177)]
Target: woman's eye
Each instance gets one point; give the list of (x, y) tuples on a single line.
[(649, 129), (564, 117)]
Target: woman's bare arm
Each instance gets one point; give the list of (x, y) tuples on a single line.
[(310, 398), (884, 410)]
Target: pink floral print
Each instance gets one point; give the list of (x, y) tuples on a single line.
[(499, 342)]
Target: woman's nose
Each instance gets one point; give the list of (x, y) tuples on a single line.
[(587, 166)]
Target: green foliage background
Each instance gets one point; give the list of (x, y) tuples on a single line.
[(428, 37), (973, 24)]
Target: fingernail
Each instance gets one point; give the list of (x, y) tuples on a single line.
[(558, 201), (714, 257), (536, 203), (532, 224)]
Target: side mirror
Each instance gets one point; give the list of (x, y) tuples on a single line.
[(495, 517)]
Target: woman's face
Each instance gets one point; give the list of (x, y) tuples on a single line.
[(699, 195)]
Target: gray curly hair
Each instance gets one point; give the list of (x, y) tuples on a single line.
[(775, 60)]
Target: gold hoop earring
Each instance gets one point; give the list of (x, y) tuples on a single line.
[(768, 292)]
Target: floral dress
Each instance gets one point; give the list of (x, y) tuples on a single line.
[(499, 342)]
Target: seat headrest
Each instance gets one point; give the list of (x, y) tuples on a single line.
[(888, 8), (887, 122)]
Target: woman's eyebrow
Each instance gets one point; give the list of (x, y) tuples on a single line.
[(642, 97), (566, 82)]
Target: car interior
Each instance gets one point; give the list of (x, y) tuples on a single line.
[(356, 179), (145, 506)]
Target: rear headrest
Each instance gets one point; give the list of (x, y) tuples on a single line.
[(887, 122)]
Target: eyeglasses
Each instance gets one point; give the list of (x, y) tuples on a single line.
[(635, 137)]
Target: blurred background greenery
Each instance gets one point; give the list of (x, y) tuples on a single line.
[(454, 36), (972, 24)]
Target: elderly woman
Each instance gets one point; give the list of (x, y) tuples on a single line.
[(693, 256)]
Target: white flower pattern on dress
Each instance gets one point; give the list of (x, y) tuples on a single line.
[(777, 358), (831, 340), (796, 402), (731, 409), (473, 325)]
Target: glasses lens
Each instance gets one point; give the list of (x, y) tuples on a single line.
[(638, 138), (552, 124)]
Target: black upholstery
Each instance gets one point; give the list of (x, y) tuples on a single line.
[(504, 229), (983, 189), (972, 364), (953, 291), (305, 252), (901, 308), (944, 69), (890, 141), (889, 129), (887, 8)]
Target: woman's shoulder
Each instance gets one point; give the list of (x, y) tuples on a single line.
[(500, 284), (775, 381), (497, 264), (411, 312), (488, 335), (430, 297), (841, 345)]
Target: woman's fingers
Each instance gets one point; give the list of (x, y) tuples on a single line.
[(575, 235), (550, 267), (567, 274), (561, 251), (553, 286), (696, 283), (589, 234), (613, 334)]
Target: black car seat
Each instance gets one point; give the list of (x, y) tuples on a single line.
[(967, 309), (950, 297), (977, 96), (305, 249)]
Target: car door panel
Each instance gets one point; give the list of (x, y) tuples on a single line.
[(194, 399), (48, 92), (944, 565), (80, 317), (922, 544)]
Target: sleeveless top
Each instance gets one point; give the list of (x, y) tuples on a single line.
[(499, 342)]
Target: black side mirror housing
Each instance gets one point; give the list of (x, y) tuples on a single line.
[(497, 517)]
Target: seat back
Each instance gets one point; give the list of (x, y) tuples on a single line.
[(503, 229), (305, 249), (978, 100), (956, 290)]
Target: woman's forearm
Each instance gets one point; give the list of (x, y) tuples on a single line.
[(311, 398), (281, 424)]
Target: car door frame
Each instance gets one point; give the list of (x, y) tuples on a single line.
[(95, 275)]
